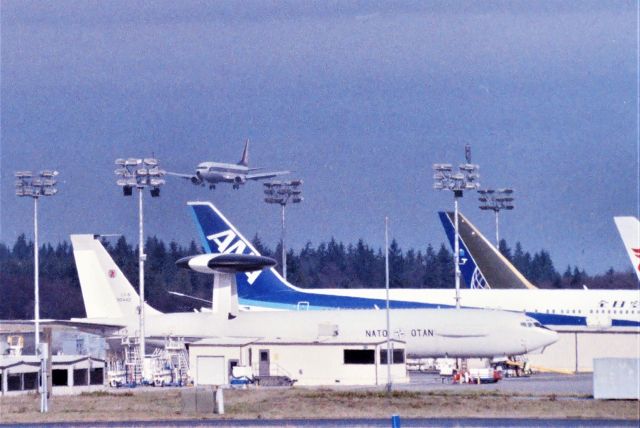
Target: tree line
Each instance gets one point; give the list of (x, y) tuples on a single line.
[(328, 265)]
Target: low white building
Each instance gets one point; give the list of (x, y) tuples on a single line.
[(576, 350), (320, 362)]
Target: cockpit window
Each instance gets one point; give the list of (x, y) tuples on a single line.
[(537, 324)]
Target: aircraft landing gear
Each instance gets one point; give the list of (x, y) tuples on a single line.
[(236, 186), (212, 186)]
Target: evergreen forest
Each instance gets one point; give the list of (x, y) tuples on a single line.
[(328, 265)]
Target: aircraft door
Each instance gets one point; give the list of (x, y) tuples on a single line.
[(264, 369)]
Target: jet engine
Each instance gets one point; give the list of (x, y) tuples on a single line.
[(197, 179), (227, 263)]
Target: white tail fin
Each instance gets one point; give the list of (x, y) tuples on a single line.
[(629, 229), (244, 160), (106, 292)]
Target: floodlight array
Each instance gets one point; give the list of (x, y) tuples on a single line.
[(42, 184), (282, 192), (445, 178), (139, 173), (496, 199)]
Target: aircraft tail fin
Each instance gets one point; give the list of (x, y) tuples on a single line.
[(244, 160), (481, 264), (106, 292), (629, 229), (218, 235)]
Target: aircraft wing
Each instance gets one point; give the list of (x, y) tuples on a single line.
[(264, 175), (185, 176)]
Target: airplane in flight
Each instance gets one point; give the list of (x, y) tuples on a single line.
[(212, 173), (629, 229), (557, 309), (109, 298)]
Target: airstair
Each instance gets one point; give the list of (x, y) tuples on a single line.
[(170, 364), (132, 360)]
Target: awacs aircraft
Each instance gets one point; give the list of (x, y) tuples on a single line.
[(555, 308), (212, 173), (109, 297), (629, 229)]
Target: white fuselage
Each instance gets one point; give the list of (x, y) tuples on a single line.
[(217, 172), (427, 332), (557, 306)]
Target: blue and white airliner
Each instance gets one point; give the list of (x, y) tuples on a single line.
[(558, 309)]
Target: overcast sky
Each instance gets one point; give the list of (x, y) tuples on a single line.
[(359, 98)]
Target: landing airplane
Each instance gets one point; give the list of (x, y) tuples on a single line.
[(110, 298), (629, 229), (558, 309), (212, 173)]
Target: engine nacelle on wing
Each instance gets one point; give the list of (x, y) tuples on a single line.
[(197, 179), (228, 263), (239, 179)]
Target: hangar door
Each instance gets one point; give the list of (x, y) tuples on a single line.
[(210, 370)]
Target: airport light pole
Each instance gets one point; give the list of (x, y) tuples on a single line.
[(281, 192), (447, 179), (496, 200), (140, 173), (386, 286), (37, 186)]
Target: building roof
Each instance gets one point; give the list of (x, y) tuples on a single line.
[(331, 341)]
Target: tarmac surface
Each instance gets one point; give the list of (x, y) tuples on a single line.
[(538, 384)]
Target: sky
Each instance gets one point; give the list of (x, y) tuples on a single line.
[(358, 98)]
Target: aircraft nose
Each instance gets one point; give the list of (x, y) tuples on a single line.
[(544, 337)]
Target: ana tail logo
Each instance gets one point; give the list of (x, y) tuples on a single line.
[(227, 242)]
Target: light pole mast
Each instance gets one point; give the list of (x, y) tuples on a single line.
[(284, 249), (466, 179), (140, 173), (277, 192), (141, 259), (386, 286), (35, 187), (496, 200)]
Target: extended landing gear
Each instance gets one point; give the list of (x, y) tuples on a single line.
[(236, 186), (212, 186)]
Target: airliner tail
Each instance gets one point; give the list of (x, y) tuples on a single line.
[(244, 160), (481, 264), (629, 229), (106, 292), (218, 235)]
